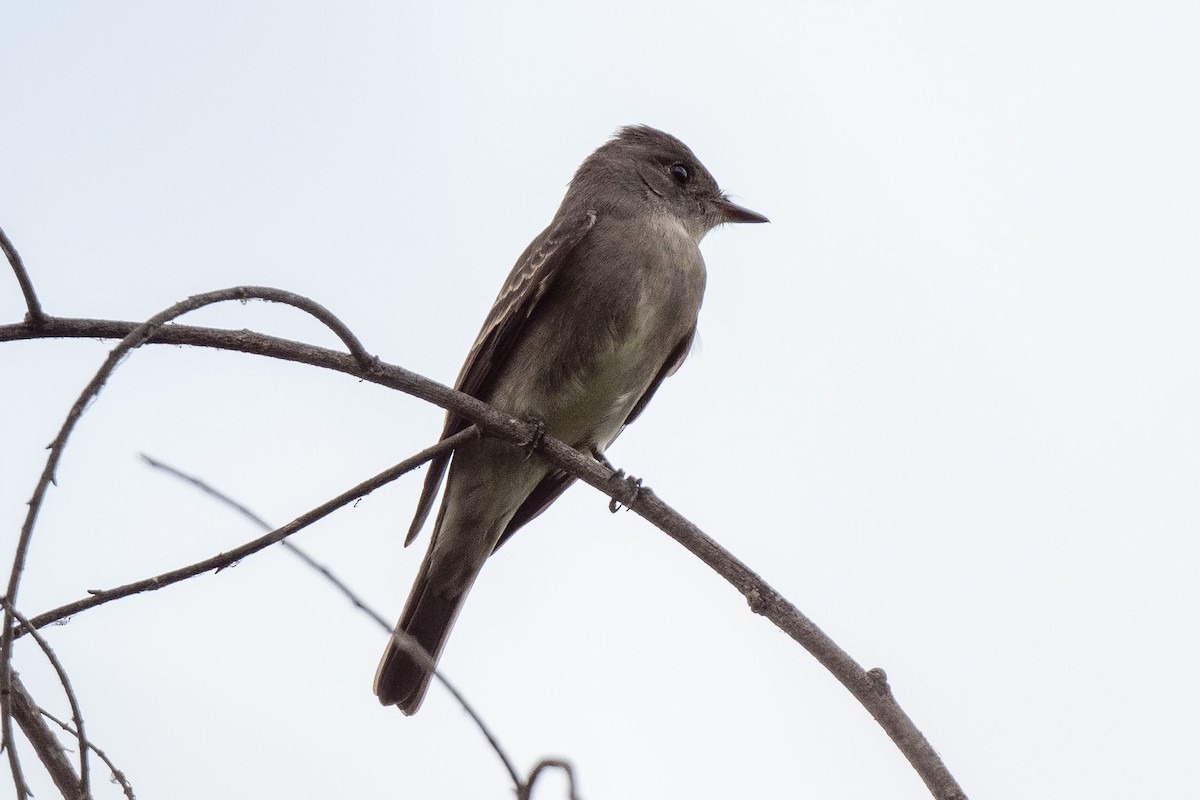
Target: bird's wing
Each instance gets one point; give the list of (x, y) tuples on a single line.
[(669, 368), (557, 481), (531, 276), (545, 493)]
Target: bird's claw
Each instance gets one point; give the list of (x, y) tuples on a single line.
[(536, 439), (633, 487)]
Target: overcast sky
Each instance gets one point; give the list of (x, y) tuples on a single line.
[(945, 402)]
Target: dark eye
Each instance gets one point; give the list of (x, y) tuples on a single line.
[(680, 173)]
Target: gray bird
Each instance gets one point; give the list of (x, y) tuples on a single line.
[(597, 311)]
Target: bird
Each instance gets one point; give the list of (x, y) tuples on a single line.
[(599, 309)]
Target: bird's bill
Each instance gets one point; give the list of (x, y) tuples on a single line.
[(735, 213)]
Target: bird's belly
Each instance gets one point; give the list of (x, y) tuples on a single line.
[(586, 387), (597, 400)]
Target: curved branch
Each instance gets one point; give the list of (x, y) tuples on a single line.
[(525, 791), (411, 645), (47, 746), (135, 338), (870, 689), (84, 788), (117, 774), (33, 314), (262, 524), (230, 557)]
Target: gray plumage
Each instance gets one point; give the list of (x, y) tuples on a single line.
[(596, 313)]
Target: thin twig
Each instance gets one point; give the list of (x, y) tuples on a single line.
[(118, 775), (413, 648), (135, 338), (47, 746), (408, 643), (874, 694), (76, 712), (295, 549), (223, 560), (33, 308), (526, 790)]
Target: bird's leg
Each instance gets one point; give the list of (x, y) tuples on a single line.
[(633, 486), (598, 454)]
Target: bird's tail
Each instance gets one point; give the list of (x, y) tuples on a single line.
[(480, 500), (457, 549), (402, 679)]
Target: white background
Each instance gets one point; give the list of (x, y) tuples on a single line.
[(945, 402)]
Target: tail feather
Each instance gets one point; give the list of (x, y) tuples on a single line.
[(488, 480), (401, 679)]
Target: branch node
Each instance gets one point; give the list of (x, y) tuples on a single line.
[(374, 367), (879, 681), (758, 604)]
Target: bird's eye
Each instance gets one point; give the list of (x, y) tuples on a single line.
[(680, 173)]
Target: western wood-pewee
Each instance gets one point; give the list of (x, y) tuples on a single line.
[(599, 309)]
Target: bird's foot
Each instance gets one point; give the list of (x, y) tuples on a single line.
[(536, 438), (632, 487)]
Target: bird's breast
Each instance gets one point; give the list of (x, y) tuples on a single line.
[(605, 330)]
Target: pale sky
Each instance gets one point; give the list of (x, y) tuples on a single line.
[(944, 402)]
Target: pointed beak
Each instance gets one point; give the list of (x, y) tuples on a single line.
[(735, 213)]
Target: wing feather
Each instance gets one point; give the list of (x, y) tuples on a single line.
[(527, 283)]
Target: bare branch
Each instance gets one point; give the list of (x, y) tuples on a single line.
[(76, 714), (135, 338), (33, 315), (525, 792), (408, 643), (223, 560), (117, 775), (47, 746), (873, 694), (413, 648), (295, 549)]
